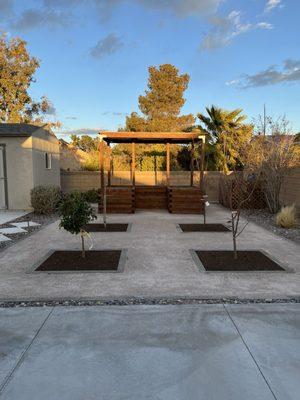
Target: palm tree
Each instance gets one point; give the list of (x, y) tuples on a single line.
[(227, 131)]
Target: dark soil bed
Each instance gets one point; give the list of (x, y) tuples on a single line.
[(203, 228), (246, 261), (95, 260), (108, 228)]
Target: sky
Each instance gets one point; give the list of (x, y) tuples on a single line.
[(94, 55)]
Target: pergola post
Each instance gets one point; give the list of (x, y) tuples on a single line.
[(202, 164), (168, 164), (192, 164), (133, 162), (110, 167), (101, 163)]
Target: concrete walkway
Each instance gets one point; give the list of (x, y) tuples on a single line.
[(7, 215), (159, 263), (211, 352)]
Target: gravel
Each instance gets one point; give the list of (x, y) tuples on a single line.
[(267, 220), (43, 220), (143, 301)]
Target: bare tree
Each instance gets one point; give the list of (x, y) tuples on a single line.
[(239, 191)]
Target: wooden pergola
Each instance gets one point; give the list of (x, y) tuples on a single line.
[(167, 138)]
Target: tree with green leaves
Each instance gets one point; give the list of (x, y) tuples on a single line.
[(76, 213), (17, 69), (228, 132), (162, 102), (85, 142)]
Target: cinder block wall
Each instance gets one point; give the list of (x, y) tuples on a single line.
[(86, 180), (290, 192)]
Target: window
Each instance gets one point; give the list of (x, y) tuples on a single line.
[(48, 160)]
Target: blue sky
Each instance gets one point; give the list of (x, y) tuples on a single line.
[(95, 54)]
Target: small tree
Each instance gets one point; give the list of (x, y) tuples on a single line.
[(76, 213), (239, 190)]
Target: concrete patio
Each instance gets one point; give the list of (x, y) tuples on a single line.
[(217, 352), (159, 263)]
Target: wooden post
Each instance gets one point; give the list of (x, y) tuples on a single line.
[(168, 164), (192, 164), (109, 168), (101, 164), (133, 162), (202, 165)]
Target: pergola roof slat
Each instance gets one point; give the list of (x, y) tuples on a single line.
[(152, 137)]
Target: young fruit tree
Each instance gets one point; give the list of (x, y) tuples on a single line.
[(239, 190), (76, 213)]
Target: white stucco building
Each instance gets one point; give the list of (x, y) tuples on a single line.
[(29, 157)]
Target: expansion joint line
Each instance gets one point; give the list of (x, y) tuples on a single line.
[(249, 351), (10, 375)]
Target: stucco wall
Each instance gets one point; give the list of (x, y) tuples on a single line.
[(85, 180), (19, 171), (42, 143)]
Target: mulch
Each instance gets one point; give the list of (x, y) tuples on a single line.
[(246, 261), (108, 228), (204, 228), (70, 260)]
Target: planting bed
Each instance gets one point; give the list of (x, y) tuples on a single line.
[(248, 260), (108, 228), (94, 261), (203, 228)]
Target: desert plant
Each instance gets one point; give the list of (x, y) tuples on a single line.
[(76, 213), (287, 217), (45, 199)]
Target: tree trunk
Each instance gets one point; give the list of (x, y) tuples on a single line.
[(82, 245)]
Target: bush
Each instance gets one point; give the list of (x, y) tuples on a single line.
[(91, 196), (75, 213), (287, 217), (45, 199)]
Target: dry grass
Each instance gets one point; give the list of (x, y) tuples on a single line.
[(287, 217)]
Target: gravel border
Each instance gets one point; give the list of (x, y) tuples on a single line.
[(43, 220), (266, 220), (143, 301)]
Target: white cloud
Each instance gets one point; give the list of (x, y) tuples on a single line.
[(225, 29), (271, 76), (272, 4)]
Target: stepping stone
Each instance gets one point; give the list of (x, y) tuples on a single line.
[(11, 231), (4, 238), (24, 224)]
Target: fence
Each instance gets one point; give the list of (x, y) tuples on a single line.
[(85, 180)]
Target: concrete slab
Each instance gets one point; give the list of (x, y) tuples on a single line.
[(25, 224), (272, 333), (138, 353), (159, 262), (18, 328), (4, 238), (7, 215), (12, 230)]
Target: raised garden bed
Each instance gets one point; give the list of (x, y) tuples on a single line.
[(203, 228), (109, 227), (72, 261), (223, 260)]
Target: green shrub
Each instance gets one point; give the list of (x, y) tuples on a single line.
[(45, 199), (91, 196), (75, 213)]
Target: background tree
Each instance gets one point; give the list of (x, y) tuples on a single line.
[(162, 102), (273, 156), (17, 69), (228, 133)]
